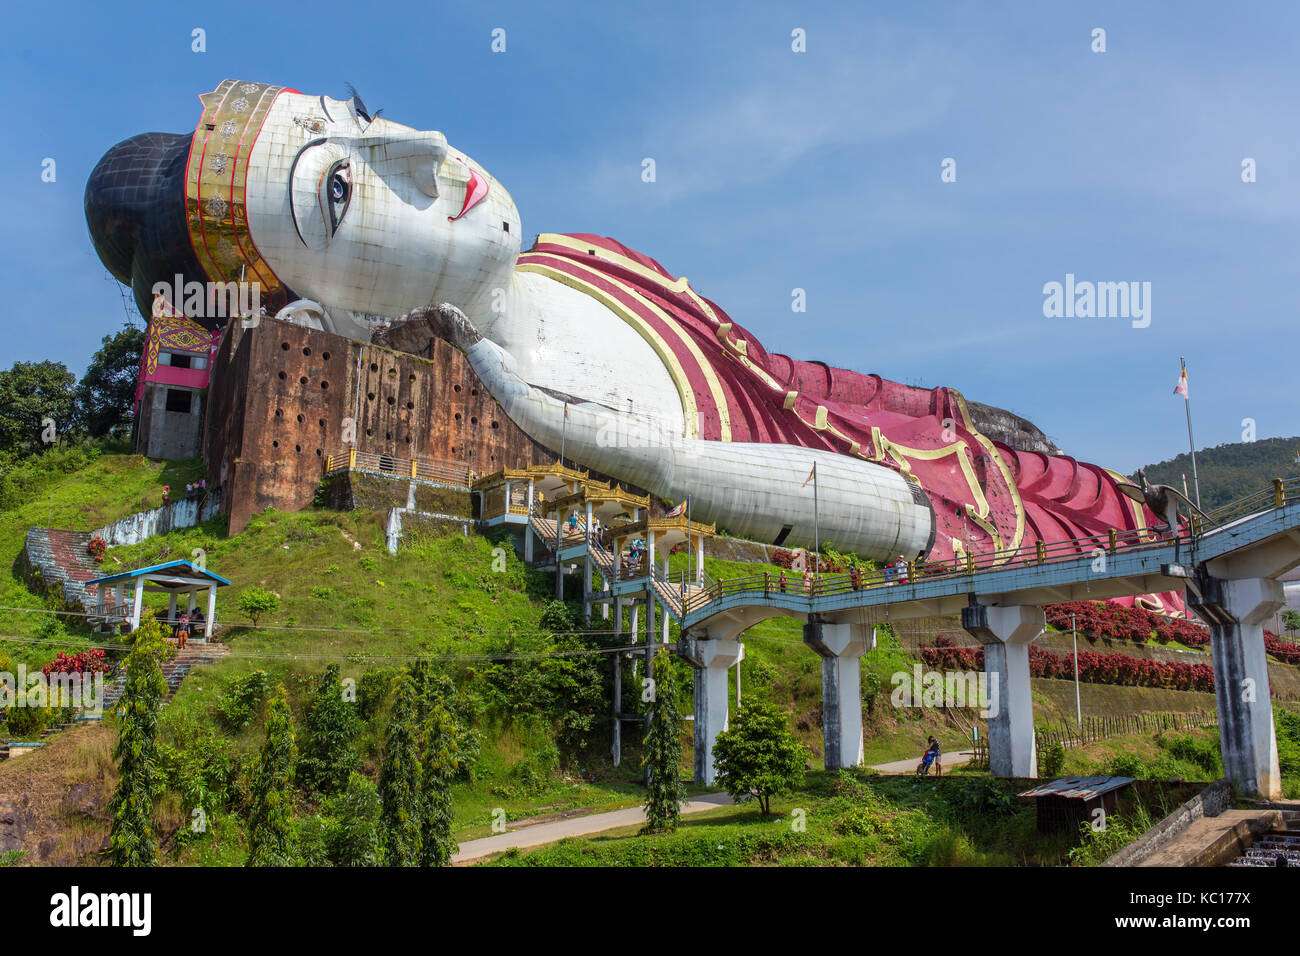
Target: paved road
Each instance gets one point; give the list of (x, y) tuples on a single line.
[(543, 833), (909, 766), (576, 826)]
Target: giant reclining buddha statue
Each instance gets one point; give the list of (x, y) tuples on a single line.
[(366, 228)]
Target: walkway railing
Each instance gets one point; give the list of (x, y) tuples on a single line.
[(1281, 491), (428, 469), (807, 585), (687, 597)]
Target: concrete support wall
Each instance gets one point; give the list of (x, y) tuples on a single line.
[(1236, 612), (840, 647), (1006, 633), (711, 660)]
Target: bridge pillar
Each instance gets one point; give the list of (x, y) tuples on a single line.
[(1006, 633), (840, 647), (711, 660), (586, 588), (1236, 611)]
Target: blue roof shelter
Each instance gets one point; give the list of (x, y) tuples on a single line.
[(174, 578)]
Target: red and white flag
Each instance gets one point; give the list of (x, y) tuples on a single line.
[(1181, 387)]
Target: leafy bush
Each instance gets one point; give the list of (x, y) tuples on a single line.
[(1197, 750), (1287, 728), (327, 758), (256, 601), (373, 690), (241, 703), (758, 756), (1126, 765), (1052, 759)]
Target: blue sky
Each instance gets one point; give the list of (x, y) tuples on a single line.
[(779, 170)]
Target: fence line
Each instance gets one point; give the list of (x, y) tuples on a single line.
[(1069, 734)]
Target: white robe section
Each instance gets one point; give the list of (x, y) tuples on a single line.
[(752, 489), (565, 340)]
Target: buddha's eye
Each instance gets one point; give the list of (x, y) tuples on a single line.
[(335, 194), (339, 188)]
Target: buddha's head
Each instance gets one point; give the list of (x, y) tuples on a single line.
[(313, 199)]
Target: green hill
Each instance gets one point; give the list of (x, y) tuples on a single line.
[(1231, 471), (531, 683)]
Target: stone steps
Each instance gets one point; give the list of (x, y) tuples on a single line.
[(64, 562), (174, 671)]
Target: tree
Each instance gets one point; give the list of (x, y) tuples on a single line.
[(106, 393), (399, 779), (759, 756), (270, 822), (663, 752), (331, 726), (441, 764), (31, 392), (1291, 621), (256, 601), (355, 840), (130, 840)]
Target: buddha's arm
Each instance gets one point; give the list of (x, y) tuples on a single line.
[(752, 489)]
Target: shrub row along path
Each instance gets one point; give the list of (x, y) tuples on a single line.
[(552, 832)]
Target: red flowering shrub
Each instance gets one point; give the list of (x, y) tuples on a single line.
[(1093, 668), (97, 548), (1282, 650), (1097, 619), (784, 557), (87, 662)]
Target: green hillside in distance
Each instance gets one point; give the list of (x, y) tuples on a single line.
[(1230, 471)]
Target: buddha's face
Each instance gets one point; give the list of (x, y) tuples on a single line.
[(367, 215)]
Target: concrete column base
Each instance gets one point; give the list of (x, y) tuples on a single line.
[(1236, 611), (711, 660), (1006, 633), (840, 647)]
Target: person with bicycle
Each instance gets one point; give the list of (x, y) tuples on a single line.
[(934, 755)]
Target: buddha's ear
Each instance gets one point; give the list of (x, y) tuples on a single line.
[(419, 157)]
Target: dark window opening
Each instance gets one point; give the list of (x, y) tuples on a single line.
[(179, 400), (785, 531)]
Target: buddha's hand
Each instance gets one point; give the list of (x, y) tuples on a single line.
[(415, 331)]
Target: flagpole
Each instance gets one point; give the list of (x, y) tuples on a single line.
[(1187, 406), (817, 544), (559, 514)]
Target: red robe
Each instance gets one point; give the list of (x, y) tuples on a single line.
[(986, 495)]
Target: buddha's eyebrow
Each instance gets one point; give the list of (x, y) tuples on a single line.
[(325, 108)]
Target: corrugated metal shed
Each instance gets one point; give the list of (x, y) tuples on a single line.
[(1078, 788)]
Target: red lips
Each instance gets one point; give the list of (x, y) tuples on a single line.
[(475, 190)]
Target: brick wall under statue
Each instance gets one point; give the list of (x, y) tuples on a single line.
[(280, 393)]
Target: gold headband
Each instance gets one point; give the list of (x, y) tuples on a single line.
[(215, 180)]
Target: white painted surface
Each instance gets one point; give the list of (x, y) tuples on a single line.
[(395, 250)]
